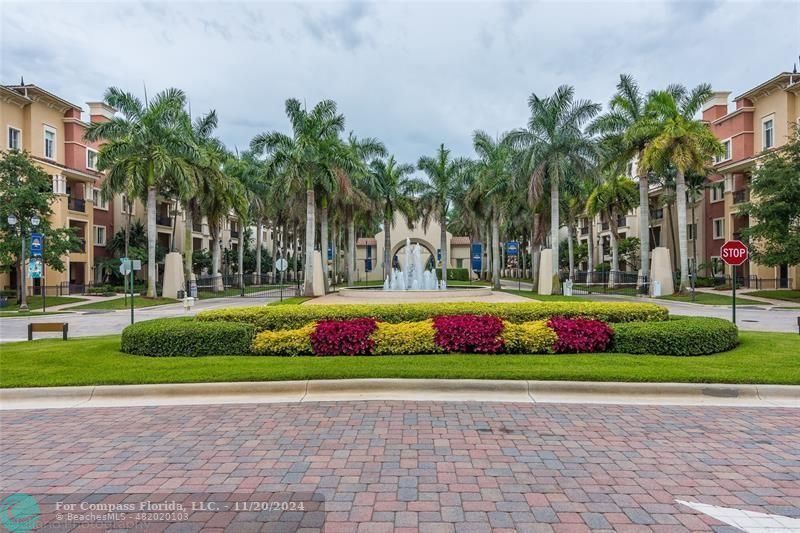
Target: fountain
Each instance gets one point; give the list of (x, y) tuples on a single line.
[(413, 277)]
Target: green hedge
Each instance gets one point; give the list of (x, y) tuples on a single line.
[(457, 274), (292, 317), (679, 336), (170, 337)]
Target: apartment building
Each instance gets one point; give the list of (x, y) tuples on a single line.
[(51, 130), (759, 120)]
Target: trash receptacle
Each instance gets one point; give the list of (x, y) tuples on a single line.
[(181, 295)]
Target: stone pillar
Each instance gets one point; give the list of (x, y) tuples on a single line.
[(661, 271), (173, 275), (317, 281), (546, 272)]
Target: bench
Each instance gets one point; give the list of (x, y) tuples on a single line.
[(42, 327)]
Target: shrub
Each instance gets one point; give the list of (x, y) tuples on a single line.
[(457, 274), (468, 333), (186, 337), (343, 337), (680, 336), (286, 342), (293, 317), (577, 335), (405, 338), (528, 337)]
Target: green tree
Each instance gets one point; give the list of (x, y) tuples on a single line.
[(26, 192), (683, 142), (147, 149), (774, 233), (613, 198), (555, 145)]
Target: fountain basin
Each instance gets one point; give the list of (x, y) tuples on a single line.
[(380, 295)]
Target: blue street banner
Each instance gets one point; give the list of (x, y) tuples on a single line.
[(477, 256), (439, 254), (330, 253), (512, 248), (37, 239)]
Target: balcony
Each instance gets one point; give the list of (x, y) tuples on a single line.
[(76, 204), (81, 246), (163, 220), (740, 197), (604, 226), (197, 226), (622, 221), (234, 234), (657, 214), (585, 230)]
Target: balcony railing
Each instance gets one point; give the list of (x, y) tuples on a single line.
[(76, 204), (234, 234), (740, 197), (622, 221), (604, 226), (81, 246), (585, 230), (162, 220), (657, 214), (197, 226)]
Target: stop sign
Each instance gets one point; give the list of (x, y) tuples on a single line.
[(733, 253)]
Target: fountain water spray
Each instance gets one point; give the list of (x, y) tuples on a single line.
[(413, 276)]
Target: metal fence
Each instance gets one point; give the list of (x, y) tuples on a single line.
[(247, 285), (607, 282), (746, 282)]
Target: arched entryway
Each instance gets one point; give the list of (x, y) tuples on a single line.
[(428, 252)]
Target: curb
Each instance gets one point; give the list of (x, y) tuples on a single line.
[(404, 390)]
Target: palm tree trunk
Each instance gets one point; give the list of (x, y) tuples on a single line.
[(644, 223), (487, 250), (443, 243), (240, 266), (308, 256), (570, 250), (294, 250), (671, 225), (496, 257), (216, 256), (590, 258), (323, 242), (554, 223), (188, 242), (387, 248), (351, 250), (259, 247), (680, 191), (151, 242), (274, 251), (346, 245), (535, 248)]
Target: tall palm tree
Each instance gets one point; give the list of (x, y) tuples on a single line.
[(307, 159), (555, 144), (685, 143), (443, 173), (249, 203), (493, 172), (613, 198), (390, 185), (622, 135), (148, 148)]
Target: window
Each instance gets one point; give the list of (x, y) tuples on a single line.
[(125, 206), (718, 191), (768, 133), (49, 142), (99, 235), (14, 138), (91, 159), (691, 231), (99, 201), (727, 155), (719, 228)]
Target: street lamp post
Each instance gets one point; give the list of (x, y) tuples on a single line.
[(13, 221)]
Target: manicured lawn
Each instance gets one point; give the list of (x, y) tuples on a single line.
[(125, 303), (35, 302), (760, 358), (710, 299), (293, 300), (546, 297), (789, 296), (13, 314)]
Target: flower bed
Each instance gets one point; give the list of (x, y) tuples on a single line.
[(292, 317)]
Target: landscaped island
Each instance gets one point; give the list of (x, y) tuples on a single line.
[(415, 329)]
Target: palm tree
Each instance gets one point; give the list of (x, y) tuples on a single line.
[(493, 171), (555, 144), (390, 185), (613, 198), (443, 174), (249, 203), (684, 143), (308, 159), (622, 135), (148, 148)]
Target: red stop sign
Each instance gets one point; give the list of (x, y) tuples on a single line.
[(733, 253)]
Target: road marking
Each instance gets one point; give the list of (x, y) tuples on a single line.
[(748, 521)]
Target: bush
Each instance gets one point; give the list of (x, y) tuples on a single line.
[(457, 274), (680, 336), (293, 317), (286, 342), (469, 333), (405, 338), (528, 337), (186, 337), (576, 335), (343, 337)]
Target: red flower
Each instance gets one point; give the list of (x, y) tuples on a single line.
[(469, 333), (580, 334), (343, 337)]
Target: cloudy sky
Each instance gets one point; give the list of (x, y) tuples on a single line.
[(414, 74)]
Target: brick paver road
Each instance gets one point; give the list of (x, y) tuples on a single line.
[(427, 466)]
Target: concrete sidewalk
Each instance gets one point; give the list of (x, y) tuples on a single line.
[(402, 389)]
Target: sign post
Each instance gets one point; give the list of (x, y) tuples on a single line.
[(734, 253), (37, 250)]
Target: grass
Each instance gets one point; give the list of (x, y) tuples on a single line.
[(124, 303), (378, 283), (35, 302), (760, 358), (710, 299), (546, 297), (789, 296), (13, 314), (294, 300)]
